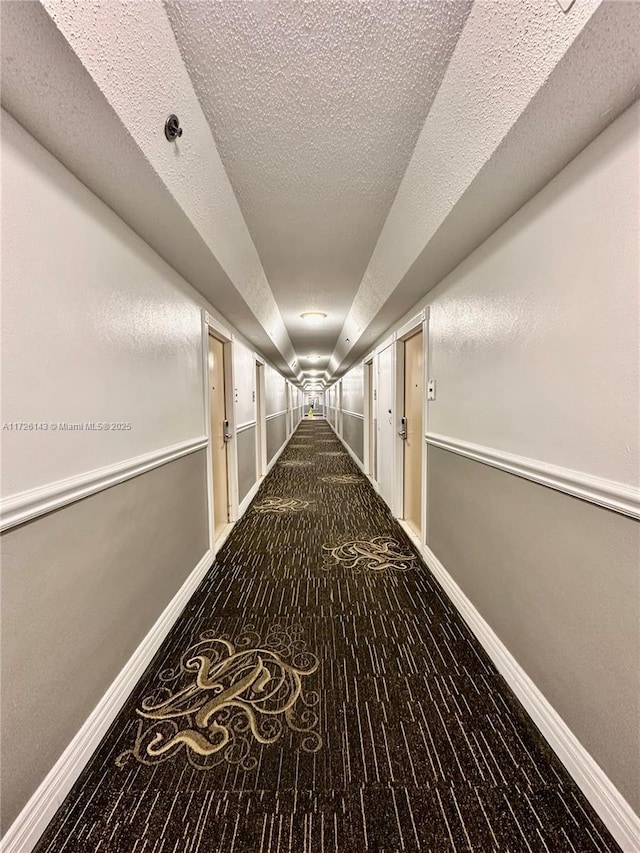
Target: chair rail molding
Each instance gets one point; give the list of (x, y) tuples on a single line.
[(609, 494), (16, 509), (276, 415)]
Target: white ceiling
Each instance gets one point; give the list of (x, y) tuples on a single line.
[(315, 109), (337, 156)]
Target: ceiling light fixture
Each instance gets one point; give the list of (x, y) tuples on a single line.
[(313, 358), (313, 317)]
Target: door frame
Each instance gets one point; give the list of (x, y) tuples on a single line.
[(370, 413), (418, 323), (261, 417), (211, 326), (388, 343)]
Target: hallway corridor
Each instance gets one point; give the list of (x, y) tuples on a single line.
[(320, 693)]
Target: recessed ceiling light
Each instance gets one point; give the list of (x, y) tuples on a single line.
[(313, 358), (313, 317)]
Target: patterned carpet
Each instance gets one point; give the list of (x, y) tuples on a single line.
[(320, 694)]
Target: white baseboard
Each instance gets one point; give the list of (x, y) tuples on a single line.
[(612, 808), (249, 496), (352, 454), (614, 811), (360, 465), (277, 455), (27, 828), (242, 508)]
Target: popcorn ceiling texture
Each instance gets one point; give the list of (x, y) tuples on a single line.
[(337, 156), (130, 52), (505, 54), (316, 108)]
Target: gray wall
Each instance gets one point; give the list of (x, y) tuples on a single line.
[(353, 433), (535, 355), (81, 587), (276, 434), (557, 579), (247, 474)]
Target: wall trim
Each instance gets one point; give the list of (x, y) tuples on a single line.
[(614, 811), (22, 507), (350, 452), (386, 343), (277, 454), (353, 414), (605, 493), (356, 460), (276, 415), (27, 828), (253, 491), (411, 327), (246, 426)]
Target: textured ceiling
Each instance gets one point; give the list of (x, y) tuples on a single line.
[(338, 156), (315, 109)]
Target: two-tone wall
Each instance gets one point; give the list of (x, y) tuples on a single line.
[(532, 445), (352, 410), (105, 496)]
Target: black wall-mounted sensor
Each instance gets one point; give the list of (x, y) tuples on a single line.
[(172, 129)]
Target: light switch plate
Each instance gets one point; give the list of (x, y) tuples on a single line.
[(431, 390)]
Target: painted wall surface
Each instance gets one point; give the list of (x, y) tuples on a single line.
[(275, 391), (276, 434), (75, 607), (353, 390), (557, 579), (244, 380), (534, 347), (353, 434), (95, 328), (247, 461), (534, 339)]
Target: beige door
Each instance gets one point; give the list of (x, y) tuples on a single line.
[(413, 394), (218, 431)]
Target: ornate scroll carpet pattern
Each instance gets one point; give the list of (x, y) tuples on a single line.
[(320, 693)]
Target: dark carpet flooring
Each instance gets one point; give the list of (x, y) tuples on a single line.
[(320, 693)]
